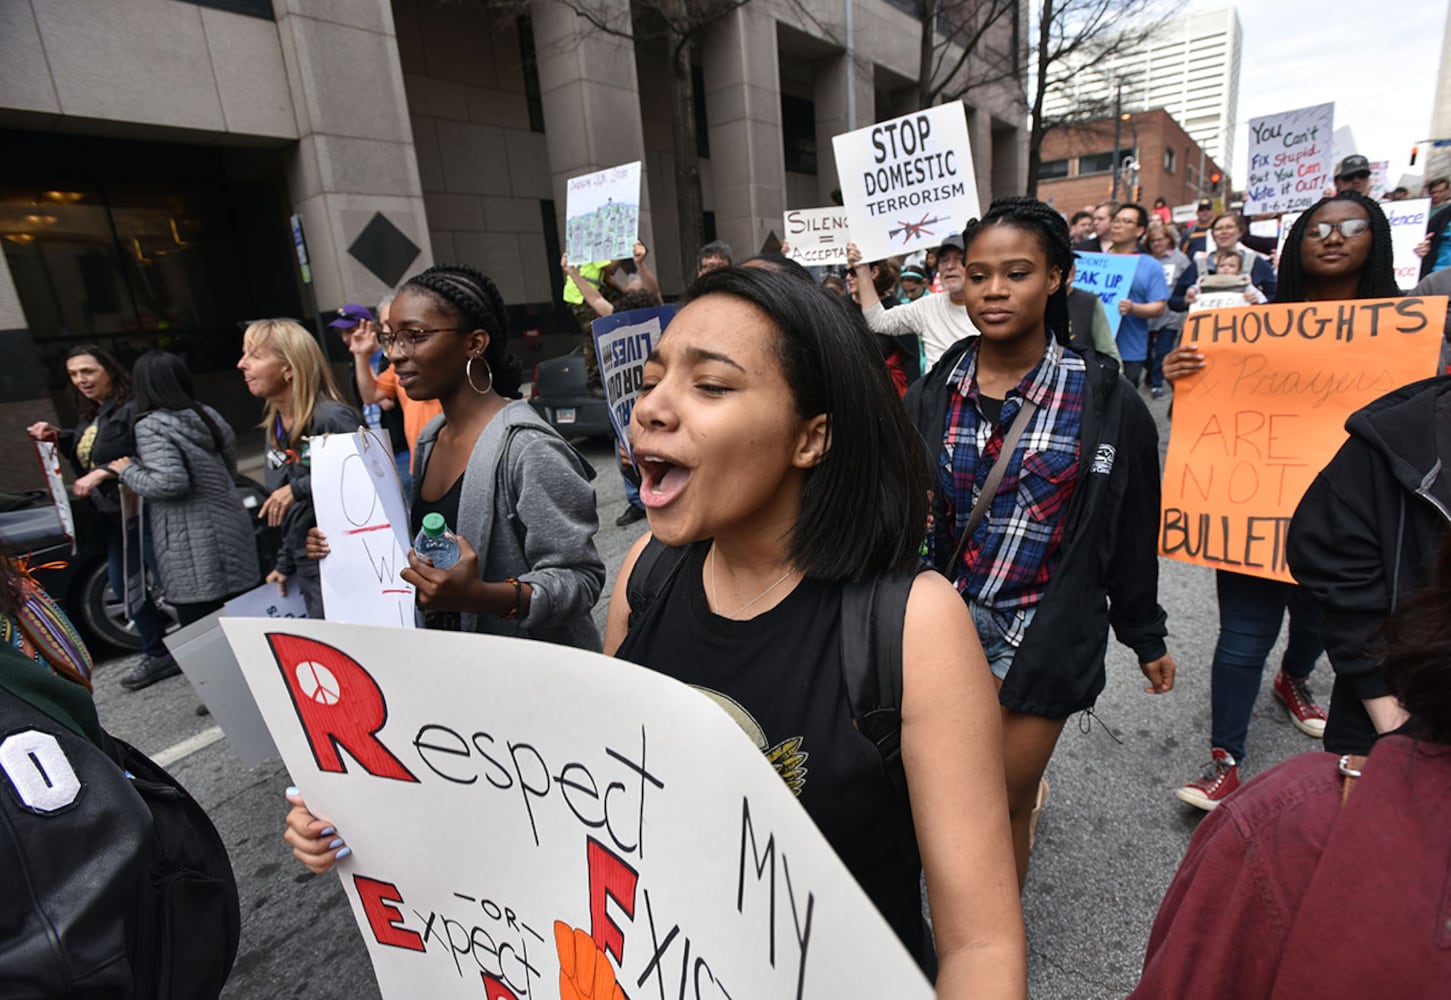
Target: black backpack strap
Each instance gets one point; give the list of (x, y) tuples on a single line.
[(872, 616), (651, 575)]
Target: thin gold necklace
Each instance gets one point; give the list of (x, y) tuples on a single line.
[(715, 591)]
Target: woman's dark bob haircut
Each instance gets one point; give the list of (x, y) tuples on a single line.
[(864, 507), (120, 380)]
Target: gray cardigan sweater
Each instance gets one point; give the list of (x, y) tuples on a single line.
[(205, 547), (533, 519)]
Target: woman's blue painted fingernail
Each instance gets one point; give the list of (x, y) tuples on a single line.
[(292, 790), (336, 844), (328, 832), (342, 854)]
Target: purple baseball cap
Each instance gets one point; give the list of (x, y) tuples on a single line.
[(351, 315)]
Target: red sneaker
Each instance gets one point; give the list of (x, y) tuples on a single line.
[(1219, 779), (1295, 695)]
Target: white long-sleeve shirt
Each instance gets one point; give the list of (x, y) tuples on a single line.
[(934, 318)]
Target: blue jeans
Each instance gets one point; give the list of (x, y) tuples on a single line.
[(632, 492), (403, 460), (148, 620), (1251, 610), (995, 646), (1161, 342)]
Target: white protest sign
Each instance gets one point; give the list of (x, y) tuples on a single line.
[(602, 214), (359, 505), (517, 796), (622, 343), (1380, 171), (1408, 221), (1290, 160), (1218, 300), (1268, 229), (817, 236), (908, 182), (48, 455)]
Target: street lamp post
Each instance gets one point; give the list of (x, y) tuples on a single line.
[(1118, 107)]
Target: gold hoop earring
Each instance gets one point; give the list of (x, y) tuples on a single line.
[(469, 375)]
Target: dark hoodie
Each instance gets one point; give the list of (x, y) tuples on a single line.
[(1365, 536)]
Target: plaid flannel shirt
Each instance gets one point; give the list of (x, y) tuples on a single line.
[(1007, 563)]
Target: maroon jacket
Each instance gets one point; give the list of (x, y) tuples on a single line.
[(1284, 893)]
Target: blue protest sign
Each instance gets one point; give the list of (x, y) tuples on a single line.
[(1109, 276), (622, 343)]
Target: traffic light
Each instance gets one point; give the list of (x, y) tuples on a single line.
[(1215, 178), (1414, 150)]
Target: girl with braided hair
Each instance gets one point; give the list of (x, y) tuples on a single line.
[(1338, 250), (1046, 495), (517, 496)]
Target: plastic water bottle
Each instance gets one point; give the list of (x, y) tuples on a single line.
[(435, 544)]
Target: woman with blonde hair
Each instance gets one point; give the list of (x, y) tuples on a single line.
[(283, 364)]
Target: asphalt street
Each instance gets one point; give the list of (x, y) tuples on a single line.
[(1108, 842)]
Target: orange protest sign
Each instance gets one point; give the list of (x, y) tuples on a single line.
[(1257, 424)]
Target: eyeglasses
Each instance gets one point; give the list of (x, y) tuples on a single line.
[(1226, 230), (408, 340), (1347, 228)]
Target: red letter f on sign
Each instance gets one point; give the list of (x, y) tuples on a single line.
[(339, 705)]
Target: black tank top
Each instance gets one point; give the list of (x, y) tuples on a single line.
[(778, 675)]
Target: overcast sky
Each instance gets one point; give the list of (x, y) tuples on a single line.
[(1376, 60)]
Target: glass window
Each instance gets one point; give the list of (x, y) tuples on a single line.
[(1168, 161), (524, 25), (1095, 163), (252, 8), (1051, 169), (798, 134)]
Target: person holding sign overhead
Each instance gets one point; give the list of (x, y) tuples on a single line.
[(939, 320), (1047, 488), (1338, 250), (515, 493)]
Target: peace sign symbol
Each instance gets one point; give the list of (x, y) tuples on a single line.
[(318, 683)]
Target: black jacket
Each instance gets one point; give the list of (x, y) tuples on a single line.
[(328, 417), (1366, 534), (1108, 573), (115, 438)]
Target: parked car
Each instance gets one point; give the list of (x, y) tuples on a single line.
[(561, 394), (31, 529)]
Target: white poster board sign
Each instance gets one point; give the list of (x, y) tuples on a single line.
[(817, 236), (908, 182), (1408, 221), (1183, 213), (528, 814), (359, 505), (1380, 172), (1218, 300), (602, 214), (1291, 161), (623, 342), (48, 454)]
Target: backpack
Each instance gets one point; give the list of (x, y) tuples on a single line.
[(872, 614), (182, 921)]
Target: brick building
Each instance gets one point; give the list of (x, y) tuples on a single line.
[(1159, 157)]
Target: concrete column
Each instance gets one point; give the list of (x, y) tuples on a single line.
[(354, 158), (980, 134), (743, 107), (831, 78), (591, 98), (23, 399)]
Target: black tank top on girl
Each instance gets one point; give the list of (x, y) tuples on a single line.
[(779, 676)]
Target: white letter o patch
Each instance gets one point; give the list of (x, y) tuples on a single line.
[(39, 770)]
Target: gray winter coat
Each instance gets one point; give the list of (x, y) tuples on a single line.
[(205, 548), (533, 520)]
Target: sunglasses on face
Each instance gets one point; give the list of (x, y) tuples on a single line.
[(1347, 228)]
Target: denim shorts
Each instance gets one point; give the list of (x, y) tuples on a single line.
[(995, 646)]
